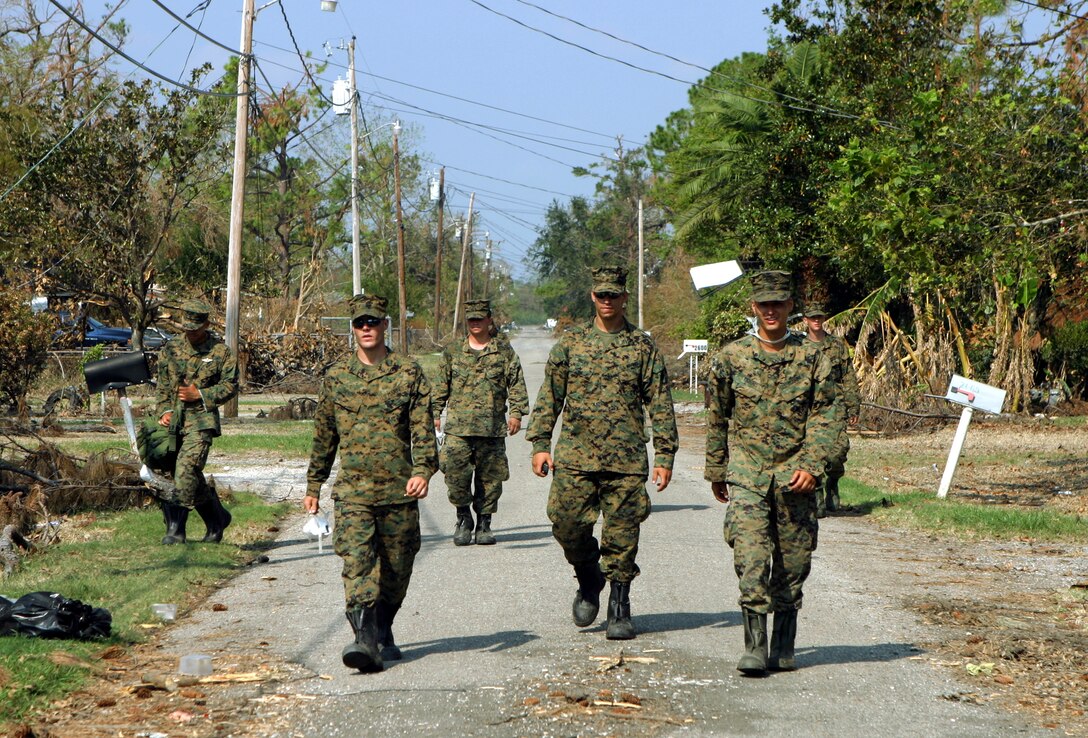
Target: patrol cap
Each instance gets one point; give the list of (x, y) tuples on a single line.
[(477, 309), (194, 314), (609, 279), (370, 306), (815, 309), (771, 286)]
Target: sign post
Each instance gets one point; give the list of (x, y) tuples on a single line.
[(972, 395), (696, 347)]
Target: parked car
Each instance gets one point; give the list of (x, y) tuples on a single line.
[(98, 332)]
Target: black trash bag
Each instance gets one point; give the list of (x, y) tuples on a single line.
[(7, 625), (50, 615)]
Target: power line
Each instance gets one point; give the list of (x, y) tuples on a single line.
[(305, 66), (497, 179), (128, 58), (194, 29), (1059, 11)]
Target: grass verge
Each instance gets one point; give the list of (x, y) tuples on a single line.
[(115, 561), (925, 511), (284, 437)]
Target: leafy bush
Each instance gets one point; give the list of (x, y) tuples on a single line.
[(24, 346), (1068, 350)]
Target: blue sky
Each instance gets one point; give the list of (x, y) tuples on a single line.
[(457, 47)]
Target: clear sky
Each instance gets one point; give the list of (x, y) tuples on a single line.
[(577, 103)]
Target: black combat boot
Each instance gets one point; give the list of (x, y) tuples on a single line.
[(363, 654), (216, 517), (484, 536), (462, 534), (587, 599), (619, 613), (783, 633), (175, 517), (754, 660), (386, 614), (831, 487)]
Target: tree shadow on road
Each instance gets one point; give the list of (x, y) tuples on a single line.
[(503, 535), (661, 622), (876, 652), (676, 508), (493, 642)]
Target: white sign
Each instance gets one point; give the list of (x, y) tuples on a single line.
[(975, 395), (715, 275), (695, 346)]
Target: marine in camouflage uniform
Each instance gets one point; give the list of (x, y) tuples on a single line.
[(772, 422), (375, 409), (475, 381), (602, 377), (195, 377), (846, 381)]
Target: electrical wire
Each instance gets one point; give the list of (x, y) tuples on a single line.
[(301, 58), (1059, 11), (496, 179), (149, 70), (194, 29)]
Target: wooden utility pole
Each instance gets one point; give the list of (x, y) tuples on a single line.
[(400, 249), (487, 269), (641, 265), (438, 257), (466, 239), (356, 268), (237, 194)]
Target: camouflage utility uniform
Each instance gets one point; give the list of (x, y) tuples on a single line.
[(770, 414), (379, 417), (474, 386), (602, 383), (837, 352), (213, 369)]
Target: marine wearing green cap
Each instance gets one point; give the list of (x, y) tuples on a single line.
[(837, 352), (479, 382), (196, 376), (603, 377), (771, 423)]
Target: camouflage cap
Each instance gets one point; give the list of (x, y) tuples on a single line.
[(814, 309), (370, 306), (477, 309), (610, 279), (194, 314), (771, 286)]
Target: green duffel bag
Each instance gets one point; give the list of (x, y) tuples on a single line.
[(153, 441)]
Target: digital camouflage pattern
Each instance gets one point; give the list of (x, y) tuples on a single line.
[(837, 352), (379, 417), (603, 384), (212, 367), (374, 571), (770, 414), (575, 501), (474, 387), (461, 456)]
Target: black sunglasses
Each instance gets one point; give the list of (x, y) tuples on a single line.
[(367, 321), (607, 295)]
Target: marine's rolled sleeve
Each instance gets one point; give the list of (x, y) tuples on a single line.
[(325, 443), (424, 446), (825, 421), (440, 393), (517, 394)]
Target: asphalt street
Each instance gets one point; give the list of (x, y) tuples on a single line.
[(490, 648)]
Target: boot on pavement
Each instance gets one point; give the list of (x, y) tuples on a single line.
[(587, 598), (484, 536), (175, 517), (754, 660), (386, 614), (619, 613), (363, 654), (783, 634), (462, 534)]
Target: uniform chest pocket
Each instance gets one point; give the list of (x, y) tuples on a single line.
[(627, 368), (796, 398), (494, 370)]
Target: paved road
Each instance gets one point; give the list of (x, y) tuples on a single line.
[(490, 649)]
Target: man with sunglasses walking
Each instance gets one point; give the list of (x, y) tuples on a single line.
[(602, 377), (476, 380), (375, 408)]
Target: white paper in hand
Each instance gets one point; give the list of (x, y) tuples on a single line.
[(317, 525)]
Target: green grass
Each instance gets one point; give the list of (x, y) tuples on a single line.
[(116, 562), (283, 437), (685, 396), (925, 511)]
